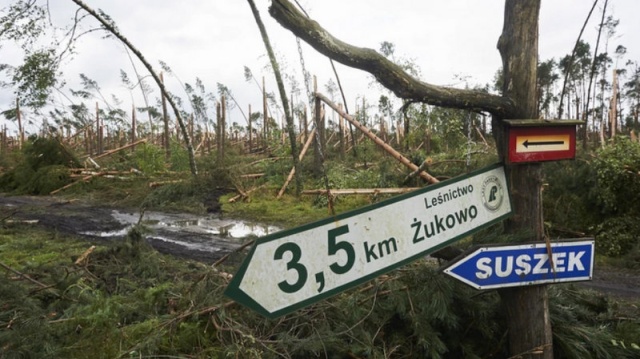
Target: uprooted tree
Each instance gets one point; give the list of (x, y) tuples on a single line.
[(527, 307)]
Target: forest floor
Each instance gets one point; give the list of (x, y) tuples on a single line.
[(98, 224)]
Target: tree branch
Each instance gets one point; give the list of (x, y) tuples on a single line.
[(386, 72)]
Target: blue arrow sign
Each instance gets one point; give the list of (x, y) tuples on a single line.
[(530, 264)]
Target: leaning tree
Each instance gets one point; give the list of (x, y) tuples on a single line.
[(527, 307)]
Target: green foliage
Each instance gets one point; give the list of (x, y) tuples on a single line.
[(36, 77), (179, 157), (289, 211), (598, 197), (149, 158), (41, 152), (184, 195), (586, 325), (616, 236), (41, 169), (124, 300), (341, 177), (617, 170), (45, 180), (22, 21), (567, 196)]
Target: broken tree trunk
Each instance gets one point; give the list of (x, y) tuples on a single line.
[(355, 191), (245, 194), (526, 308), (293, 170), (83, 179), (397, 155), (108, 153)]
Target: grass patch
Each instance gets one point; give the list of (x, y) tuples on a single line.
[(288, 211), (23, 247)]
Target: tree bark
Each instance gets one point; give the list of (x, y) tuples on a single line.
[(20, 129), (527, 308), (166, 137)]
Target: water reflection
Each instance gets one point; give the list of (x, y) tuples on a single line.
[(191, 231)]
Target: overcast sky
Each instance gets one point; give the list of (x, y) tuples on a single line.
[(213, 40)]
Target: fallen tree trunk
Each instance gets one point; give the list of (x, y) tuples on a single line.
[(245, 194), (109, 153), (83, 179), (162, 183), (377, 140), (361, 191)]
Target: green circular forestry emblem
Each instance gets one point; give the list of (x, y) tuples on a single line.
[(492, 193)]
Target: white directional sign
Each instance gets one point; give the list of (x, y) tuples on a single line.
[(291, 269)]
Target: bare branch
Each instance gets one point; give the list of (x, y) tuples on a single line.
[(386, 72)]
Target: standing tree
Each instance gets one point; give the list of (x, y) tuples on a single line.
[(283, 96), (527, 308), (632, 94)]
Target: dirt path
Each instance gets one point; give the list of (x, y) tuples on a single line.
[(205, 242), (202, 238)]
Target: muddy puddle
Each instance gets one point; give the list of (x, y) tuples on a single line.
[(192, 232), (204, 238)]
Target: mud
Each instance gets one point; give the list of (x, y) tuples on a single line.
[(203, 238)]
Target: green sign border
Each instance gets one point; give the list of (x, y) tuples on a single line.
[(233, 289)]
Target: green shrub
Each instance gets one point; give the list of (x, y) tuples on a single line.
[(40, 152), (179, 157), (149, 158), (42, 168), (617, 172), (597, 197), (46, 179), (617, 236), (567, 196)]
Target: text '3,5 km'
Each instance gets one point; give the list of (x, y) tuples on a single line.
[(292, 269)]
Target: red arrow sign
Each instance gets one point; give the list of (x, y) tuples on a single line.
[(541, 143)]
